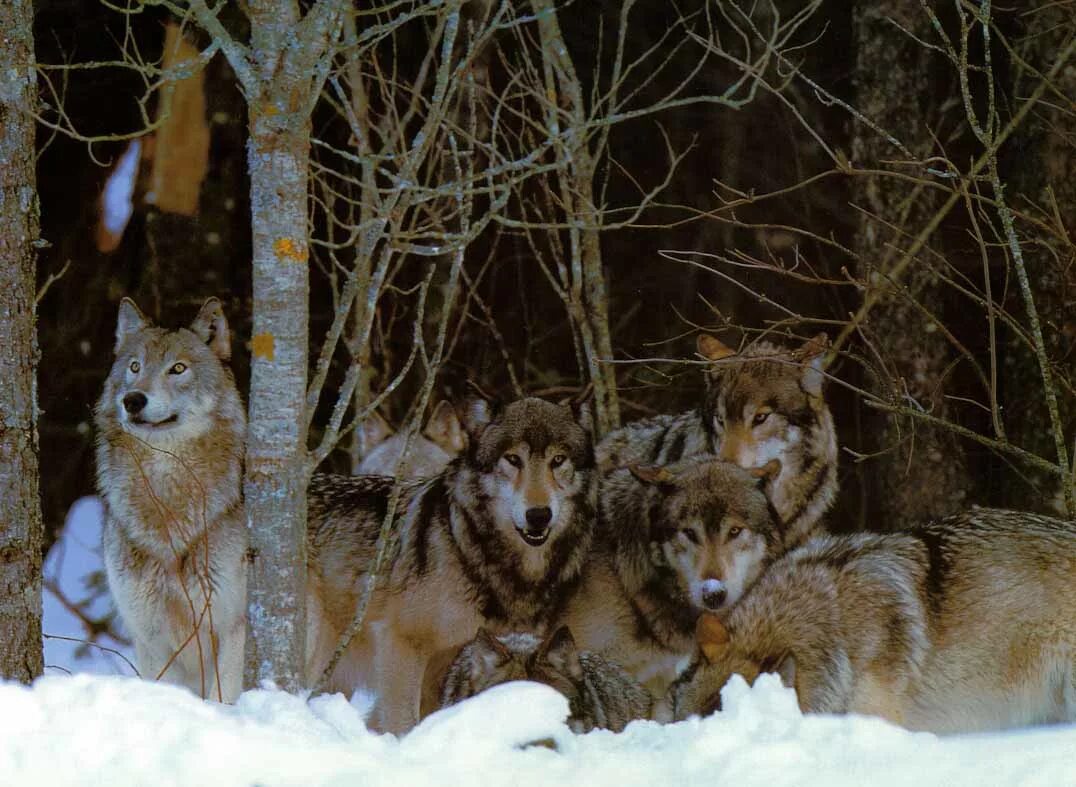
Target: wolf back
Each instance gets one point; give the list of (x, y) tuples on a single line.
[(957, 626)]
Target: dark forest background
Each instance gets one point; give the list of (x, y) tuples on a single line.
[(785, 211)]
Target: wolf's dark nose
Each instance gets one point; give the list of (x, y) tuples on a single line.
[(539, 517), (715, 598), (134, 402)]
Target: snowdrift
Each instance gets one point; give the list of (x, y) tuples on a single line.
[(93, 730)]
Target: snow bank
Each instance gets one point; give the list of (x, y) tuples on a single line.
[(91, 729)]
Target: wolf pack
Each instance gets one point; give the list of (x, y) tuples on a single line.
[(635, 575)]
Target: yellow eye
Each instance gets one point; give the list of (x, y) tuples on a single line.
[(178, 368), (557, 461), (734, 531), (135, 367), (514, 460), (760, 417)]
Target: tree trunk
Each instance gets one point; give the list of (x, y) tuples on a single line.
[(922, 473), (20, 507), (1044, 174), (589, 299), (276, 468)]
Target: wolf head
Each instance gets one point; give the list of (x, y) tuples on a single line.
[(531, 461), (712, 530), (490, 660), (168, 386), (441, 441), (698, 689), (765, 404)]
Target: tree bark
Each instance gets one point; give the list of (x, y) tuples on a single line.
[(20, 507), (922, 473), (276, 474)]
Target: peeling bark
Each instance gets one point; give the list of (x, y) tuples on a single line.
[(20, 507)]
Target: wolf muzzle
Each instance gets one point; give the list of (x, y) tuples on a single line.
[(537, 530)]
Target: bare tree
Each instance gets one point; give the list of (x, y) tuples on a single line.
[(281, 71), (20, 508)]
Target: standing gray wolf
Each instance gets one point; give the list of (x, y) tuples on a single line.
[(441, 441), (963, 625), (170, 431), (761, 404), (673, 542), (497, 540), (600, 694)]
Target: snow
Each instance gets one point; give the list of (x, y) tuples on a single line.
[(93, 729), (119, 189), (110, 729)]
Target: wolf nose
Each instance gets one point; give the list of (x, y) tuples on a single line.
[(714, 599), (539, 517), (134, 402)]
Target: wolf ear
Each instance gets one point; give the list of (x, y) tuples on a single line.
[(129, 320), (490, 649), (375, 431), (560, 652), (813, 356), (211, 327), (712, 349), (478, 413), (444, 428), (711, 636), (652, 474), (784, 665), (582, 408), (768, 472)]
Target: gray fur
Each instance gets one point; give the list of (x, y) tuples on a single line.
[(957, 626), (600, 693), (800, 434)]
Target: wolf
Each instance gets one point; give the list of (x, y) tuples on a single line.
[(673, 542), (170, 431), (600, 694), (764, 403), (442, 439), (498, 540), (962, 625)]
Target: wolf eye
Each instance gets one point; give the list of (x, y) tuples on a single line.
[(734, 531), (135, 367), (760, 417), (690, 535), (557, 460), (178, 368), (514, 460)]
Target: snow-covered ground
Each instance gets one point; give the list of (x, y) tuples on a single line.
[(93, 730), (99, 728)]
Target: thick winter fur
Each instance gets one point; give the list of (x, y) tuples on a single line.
[(170, 431), (761, 404), (963, 625), (497, 540), (600, 694), (441, 441), (673, 542)]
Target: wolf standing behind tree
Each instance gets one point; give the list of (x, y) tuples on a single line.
[(170, 431)]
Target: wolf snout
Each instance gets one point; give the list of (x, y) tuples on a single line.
[(714, 594), (135, 402), (540, 517)]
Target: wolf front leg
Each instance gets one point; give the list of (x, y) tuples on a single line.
[(399, 667)]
